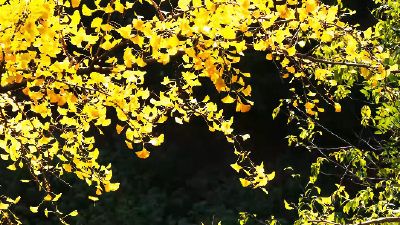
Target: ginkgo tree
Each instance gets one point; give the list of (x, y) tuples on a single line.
[(60, 76), (347, 66)]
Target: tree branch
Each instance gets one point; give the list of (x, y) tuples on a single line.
[(105, 54), (80, 71), (158, 10), (13, 87), (105, 70), (305, 56), (375, 221)]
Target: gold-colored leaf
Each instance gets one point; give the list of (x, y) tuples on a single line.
[(119, 129), (34, 209), (73, 213), (93, 198), (244, 182), (57, 197), (75, 3), (338, 107), (4, 206), (48, 198), (236, 167), (291, 51), (4, 156), (11, 167), (228, 99), (143, 154)]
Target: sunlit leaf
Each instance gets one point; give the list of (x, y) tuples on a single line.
[(48, 198), (34, 209), (287, 206), (73, 213), (143, 154), (75, 3), (228, 99), (236, 167)]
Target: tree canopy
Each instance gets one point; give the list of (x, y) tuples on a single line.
[(66, 65)]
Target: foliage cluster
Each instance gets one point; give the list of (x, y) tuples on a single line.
[(61, 77)]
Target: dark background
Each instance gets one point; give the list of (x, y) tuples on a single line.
[(187, 180)]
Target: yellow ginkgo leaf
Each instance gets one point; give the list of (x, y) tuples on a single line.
[(365, 73), (75, 3), (178, 120), (57, 197), (287, 206), (119, 129), (67, 167), (73, 213), (247, 91), (11, 167), (183, 4), (228, 33), (311, 5), (246, 74), (17, 199), (48, 197), (4, 156), (245, 137), (113, 186), (143, 154), (98, 192), (93, 198), (129, 144), (283, 10), (4, 206), (326, 200), (368, 33), (338, 107), (236, 167), (119, 7), (34, 209), (244, 182), (309, 105), (291, 51), (107, 45), (108, 8), (75, 19), (271, 176), (228, 99), (86, 11), (196, 3), (96, 22), (327, 36), (291, 69), (240, 107)]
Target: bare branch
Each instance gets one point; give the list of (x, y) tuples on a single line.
[(158, 10), (13, 87), (375, 221), (305, 56)]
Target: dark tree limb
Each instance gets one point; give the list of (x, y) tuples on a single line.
[(13, 87), (108, 70), (375, 221)]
